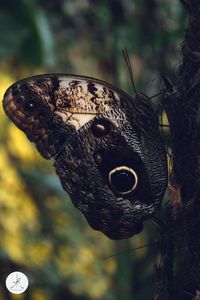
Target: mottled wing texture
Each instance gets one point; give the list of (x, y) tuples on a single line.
[(106, 146)]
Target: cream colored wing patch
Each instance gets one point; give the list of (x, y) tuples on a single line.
[(79, 101)]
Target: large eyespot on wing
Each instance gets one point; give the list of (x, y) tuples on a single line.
[(123, 180)]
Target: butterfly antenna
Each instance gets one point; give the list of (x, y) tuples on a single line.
[(133, 249), (130, 69), (156, 95), (167, 84)]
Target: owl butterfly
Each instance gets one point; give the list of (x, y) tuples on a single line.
[(106, 146)]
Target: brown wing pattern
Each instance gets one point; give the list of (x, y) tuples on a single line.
[(107, 149)]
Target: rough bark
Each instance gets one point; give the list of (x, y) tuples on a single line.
[(179, 267)]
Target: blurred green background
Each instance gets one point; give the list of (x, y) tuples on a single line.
[(42, 234)]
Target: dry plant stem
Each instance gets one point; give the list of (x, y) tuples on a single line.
[(179, 271)]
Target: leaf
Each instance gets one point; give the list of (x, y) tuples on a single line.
[(38, 47), (11, 34)]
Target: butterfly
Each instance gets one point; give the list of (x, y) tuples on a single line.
[(106, 146)]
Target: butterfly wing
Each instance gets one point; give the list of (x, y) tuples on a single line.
[(107, 149)]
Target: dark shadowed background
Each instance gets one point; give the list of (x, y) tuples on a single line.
[(41, 233)]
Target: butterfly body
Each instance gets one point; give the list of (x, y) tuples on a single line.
[(107, 149)]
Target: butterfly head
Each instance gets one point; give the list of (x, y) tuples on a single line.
[(107, 148)]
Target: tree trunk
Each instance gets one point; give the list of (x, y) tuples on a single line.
[(178, 270)]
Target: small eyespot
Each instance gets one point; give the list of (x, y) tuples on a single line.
[(16, 90), (123, 180), (98, 158), (29, 106), (101, 127)]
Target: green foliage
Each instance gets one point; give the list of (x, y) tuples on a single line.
[(25, 32)]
